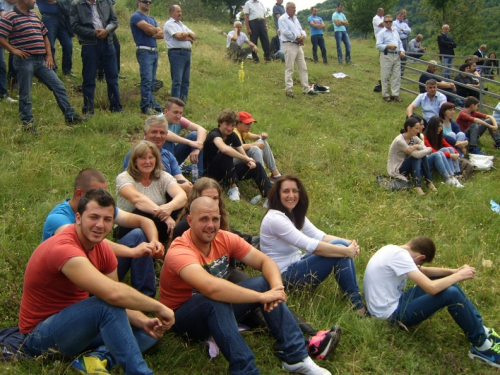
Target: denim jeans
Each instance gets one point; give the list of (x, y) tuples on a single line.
[(415, 306), (148, 63), (3, 76), (312, 269), (91, 54), (318, 40), (180, 68), (453, 138), (181, 151), (447, 63), (35, 66), (439, 162), (93, 325), (452, 163), (475, 130), (414, 167), (341, 36), (264, 157), (142, 270), (201, 317), (57, 30)]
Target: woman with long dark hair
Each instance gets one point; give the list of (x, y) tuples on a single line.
[(444, 157), (451, 131), (285, 230), (408, 156)]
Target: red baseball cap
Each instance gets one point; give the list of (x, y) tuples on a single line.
[(246, 117)]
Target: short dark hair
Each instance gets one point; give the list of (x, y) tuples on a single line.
[(464, 66), (470, 100), (340, 4), (446, 106), (431, 82), (172, 8), (175, 101), (228, 116), (298, 214), (100, 196), (313, 8), (424, 246), (86, 177)]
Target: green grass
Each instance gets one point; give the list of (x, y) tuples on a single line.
[(337, 143)]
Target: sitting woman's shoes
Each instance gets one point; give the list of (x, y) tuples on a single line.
[(419, 190), (431, 186)]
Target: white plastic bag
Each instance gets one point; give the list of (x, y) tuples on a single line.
[(482, 162)]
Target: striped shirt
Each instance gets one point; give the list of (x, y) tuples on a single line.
[(25, 32)]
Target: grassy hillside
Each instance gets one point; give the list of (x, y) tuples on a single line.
[(337, 143)]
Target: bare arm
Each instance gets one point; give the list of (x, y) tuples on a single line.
[(152, 31), (435, 286), (139, 200), (410, 109), (247, 24), (49, 61)]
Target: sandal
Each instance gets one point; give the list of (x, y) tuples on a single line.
[(419, 190), (397, 99), (386, 98)]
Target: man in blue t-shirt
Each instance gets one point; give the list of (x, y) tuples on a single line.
[(145, 31), (135, 250), (317, 25), (340, 22)]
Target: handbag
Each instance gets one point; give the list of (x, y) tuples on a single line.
[(481, 162)]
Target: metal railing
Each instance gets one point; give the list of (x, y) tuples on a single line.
[(413, 64)]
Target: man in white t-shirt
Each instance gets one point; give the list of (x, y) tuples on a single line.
[(235, 40), (436, 288), (378, 21)]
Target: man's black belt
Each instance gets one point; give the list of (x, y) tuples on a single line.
[(179, 49)]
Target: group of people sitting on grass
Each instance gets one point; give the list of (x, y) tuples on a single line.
[(74, 305), (439, 143)]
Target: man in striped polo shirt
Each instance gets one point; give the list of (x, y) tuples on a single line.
[(29, 43)]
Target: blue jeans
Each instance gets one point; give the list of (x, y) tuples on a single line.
[(447, 63), (180, 67), (35, 66), (312, 269), (3, 76), (341, 36), (318, 40), (452, 163), (415, 306), (453, 138), (148, 63), (93, 325), (142, 270), (182, 151), (201, 317), (91, 54), (438, 161), (414, 167), (475, 130), (57, 30)]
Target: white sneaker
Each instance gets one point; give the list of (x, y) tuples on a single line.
[(450, 182), (10, 100), (306, 367), (266, 204), (457, 183), (234, 194)]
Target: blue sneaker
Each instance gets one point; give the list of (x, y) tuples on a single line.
[(490, 356), (496, 144), (475, 150), (493, 336)]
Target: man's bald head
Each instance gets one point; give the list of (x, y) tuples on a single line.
[(202, 203)]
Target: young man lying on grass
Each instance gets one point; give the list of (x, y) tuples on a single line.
[(385, 278)]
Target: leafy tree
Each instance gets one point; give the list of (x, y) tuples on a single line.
[(360, 14)]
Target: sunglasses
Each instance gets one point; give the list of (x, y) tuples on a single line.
[(145, 2), (388, 21)]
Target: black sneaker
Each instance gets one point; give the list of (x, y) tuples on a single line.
[(496, 144), (311, 92), (73, 120), (29, 127)]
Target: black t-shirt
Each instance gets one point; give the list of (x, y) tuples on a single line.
[(210, 150), (424, 78)]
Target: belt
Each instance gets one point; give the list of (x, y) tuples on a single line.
[(258, 19), (152, 49), (286, 41), (180, 49), (392, 51)]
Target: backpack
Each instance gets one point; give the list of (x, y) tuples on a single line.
[(467, 168)]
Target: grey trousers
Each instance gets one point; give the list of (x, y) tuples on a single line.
[(390, 66), (264, 157)]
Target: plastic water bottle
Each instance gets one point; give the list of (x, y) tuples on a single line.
[(256, 199), (194, 173)]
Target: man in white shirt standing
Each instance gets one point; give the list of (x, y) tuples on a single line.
[(378, 22), (179, 39), (391, 48), (292, 35), (256, 24)]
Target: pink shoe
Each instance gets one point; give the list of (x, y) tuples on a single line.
[(324, 342)]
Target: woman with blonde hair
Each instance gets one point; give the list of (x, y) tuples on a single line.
[(146, 189)]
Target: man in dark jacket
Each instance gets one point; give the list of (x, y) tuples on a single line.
[(446, 47), (96, 38)]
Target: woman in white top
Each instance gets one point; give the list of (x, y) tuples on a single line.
[(285, 230), (146, 189)]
